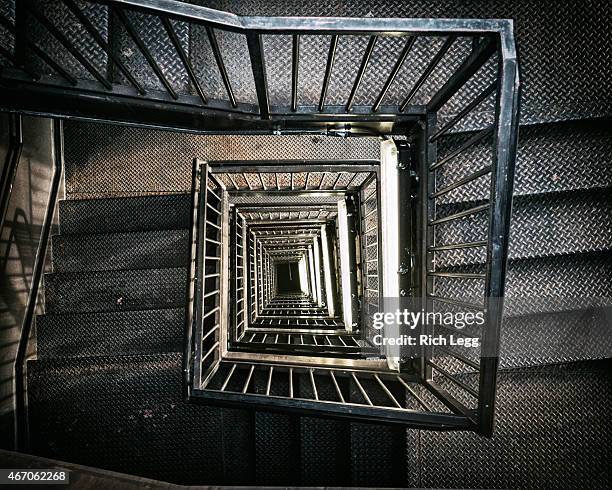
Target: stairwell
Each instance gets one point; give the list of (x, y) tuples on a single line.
[(105, 387)]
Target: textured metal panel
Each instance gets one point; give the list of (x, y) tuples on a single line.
[(277, 449), (348, 57), (238, 441), (542, 225), (164, 212), (547, 338), (235, 55), (124, 414), (313, 57), (553, 430), (204, 63), (7, 40), (110, 333), (277, 55), (61, 17), (386, 54), (377, 453), (234, 50), (116, 251), (565, 329), (325, 448), (556, 57), (156, 39), (553, 338), (545, 284), (550, 158), (115, 290), (324, 443), (106, 160)]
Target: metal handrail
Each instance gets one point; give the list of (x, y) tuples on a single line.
[(37, 273), (504, 132), (190, 303), (490, 31)]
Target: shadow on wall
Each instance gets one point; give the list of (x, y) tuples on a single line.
[(18, 243)]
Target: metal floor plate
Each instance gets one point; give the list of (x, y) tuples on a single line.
[(554, 430)]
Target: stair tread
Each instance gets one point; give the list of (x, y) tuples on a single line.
[(115, 290), (542, 284), (108, 333), (542, 225), (554, 157), (125, 214), (120, 251)]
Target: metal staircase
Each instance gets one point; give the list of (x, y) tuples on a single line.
[(167, 347)]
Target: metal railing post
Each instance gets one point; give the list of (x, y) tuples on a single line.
[(502, 179)]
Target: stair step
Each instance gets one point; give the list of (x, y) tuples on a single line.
[(541, 284), (556, 337), (542, 225), (115, 290), (124, 414), (117, 251), (125, 214), (110, 333), (550, 158), (556, 308)]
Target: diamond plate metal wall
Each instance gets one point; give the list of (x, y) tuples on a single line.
[(155, 38), (550, 158), (106, 160)]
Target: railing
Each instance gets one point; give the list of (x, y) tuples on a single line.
[(207, 276), (238, 297), (356, 394), (371, 263), (451, 383), (21, 435), (98, 96), (320, 344), (467, 273), (381, 106)]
